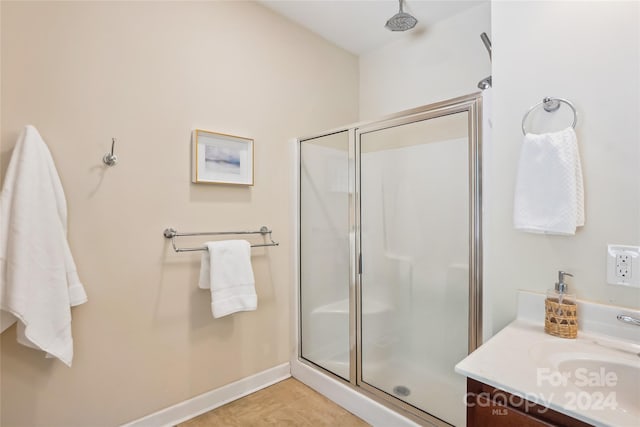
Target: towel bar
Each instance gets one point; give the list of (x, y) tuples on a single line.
[(172, 233)]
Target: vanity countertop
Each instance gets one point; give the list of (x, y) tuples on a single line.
[(594, 378)]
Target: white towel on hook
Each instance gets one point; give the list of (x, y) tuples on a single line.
[(38, 278), (549, 194), (226, 270)]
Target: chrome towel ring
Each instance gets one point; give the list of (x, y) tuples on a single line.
[(550, 105)]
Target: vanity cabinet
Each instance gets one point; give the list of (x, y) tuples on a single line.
[(490, 407)]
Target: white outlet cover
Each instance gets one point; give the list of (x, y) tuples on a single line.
[(634, 254)]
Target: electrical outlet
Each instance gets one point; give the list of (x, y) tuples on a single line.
[(623, 265)]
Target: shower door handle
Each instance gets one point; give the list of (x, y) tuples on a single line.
[(360, 264)]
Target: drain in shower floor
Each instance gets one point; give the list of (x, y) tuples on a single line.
[(401, 390)]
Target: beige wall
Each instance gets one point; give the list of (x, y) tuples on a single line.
[(440, 62), (594, 61), (148, 73)]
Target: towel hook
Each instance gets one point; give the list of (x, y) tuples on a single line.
[(110, 159)]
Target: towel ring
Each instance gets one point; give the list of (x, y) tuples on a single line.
[(550, 105)]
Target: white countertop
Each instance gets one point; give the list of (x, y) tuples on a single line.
[(523, 360)]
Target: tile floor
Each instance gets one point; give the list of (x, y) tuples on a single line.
[(287, 403)]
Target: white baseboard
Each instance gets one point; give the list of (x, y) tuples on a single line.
[(354, 402), (212, 399)]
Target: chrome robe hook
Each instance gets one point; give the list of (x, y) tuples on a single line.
[(110, 159)]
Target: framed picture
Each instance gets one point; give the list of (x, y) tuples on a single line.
[(221, 159)]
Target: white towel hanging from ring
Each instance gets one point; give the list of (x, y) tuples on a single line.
[(549, 193)]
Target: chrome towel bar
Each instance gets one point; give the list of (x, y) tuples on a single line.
[(172, 233)]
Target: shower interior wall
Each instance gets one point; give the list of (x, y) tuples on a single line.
[(415, 258), (415, 272), (394, 222)]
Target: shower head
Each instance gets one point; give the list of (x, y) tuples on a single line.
[(401, 21)]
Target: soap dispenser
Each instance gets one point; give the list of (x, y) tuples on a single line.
[(561, 310)]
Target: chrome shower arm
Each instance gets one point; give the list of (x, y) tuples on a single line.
[(487, 43)]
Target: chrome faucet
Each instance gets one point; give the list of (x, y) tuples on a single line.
[(628, 319)]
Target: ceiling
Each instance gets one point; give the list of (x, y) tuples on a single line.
[(358, 25)]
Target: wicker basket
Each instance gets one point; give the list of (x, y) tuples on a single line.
[(560, 320)]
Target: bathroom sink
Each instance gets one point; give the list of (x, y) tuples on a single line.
[(595, 373), (604, 383), (553, 351), (594, 378)]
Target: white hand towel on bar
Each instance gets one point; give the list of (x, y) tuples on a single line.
[(549, 194), (230, 277), (205, 270), (38, 278)]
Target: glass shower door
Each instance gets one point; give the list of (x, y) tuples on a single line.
[(324, 252), (414, 245)]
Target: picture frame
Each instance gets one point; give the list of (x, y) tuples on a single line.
[(218, 158)]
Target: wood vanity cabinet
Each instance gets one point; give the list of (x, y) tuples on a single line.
[(490, 407)]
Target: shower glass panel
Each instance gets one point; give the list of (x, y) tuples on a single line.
[(414, 244), (324, 252)]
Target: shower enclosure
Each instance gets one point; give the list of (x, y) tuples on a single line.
[(390, 256)]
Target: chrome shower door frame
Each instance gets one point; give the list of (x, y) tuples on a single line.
[(472, 105)]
